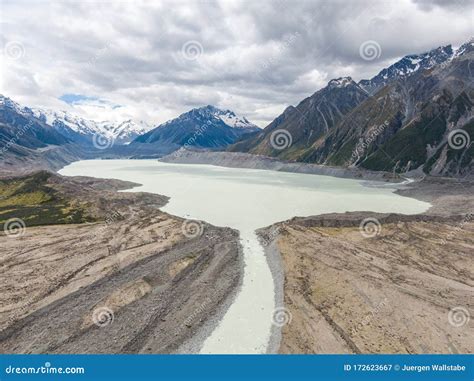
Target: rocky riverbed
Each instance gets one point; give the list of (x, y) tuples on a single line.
[(365, 282), (137, 281)]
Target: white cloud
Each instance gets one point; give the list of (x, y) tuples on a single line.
[(256, 58)]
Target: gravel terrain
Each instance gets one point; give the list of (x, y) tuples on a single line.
[(141, 281), (134, 282), (401, 285)]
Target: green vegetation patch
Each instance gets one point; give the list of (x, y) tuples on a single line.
[(31, 199), (408, 145), (344, 155)]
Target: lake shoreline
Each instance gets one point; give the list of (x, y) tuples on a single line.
[(444, 226), (250, 161), (245, 199)]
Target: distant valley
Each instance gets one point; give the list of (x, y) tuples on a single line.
[(49, 139), (415, 116)]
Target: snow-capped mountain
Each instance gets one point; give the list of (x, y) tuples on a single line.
[(465, 48), (423, 101), (340, 82), (8, 103), (212, 112), (65, 119), (82, 130), (20, 130), (126, 131), (205, 127), (229, 118), (78, 129), (413, 63)]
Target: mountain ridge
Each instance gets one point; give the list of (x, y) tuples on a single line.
[(308, 121), (83, 130), (411, 63), (78, 129), (412, 114)]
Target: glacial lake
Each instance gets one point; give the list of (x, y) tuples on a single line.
[(247, 199)]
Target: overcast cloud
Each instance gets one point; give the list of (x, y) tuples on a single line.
[(154, 60)]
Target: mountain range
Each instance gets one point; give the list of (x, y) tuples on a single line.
[(46, 138), (204, 127), (19, 127), (416, 114), (77, 129), (82, 130)]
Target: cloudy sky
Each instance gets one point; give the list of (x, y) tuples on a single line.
[(154, 60)]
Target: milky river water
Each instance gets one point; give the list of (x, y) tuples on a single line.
[(247, 199)]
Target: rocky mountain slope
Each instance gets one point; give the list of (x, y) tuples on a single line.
[(27, 143), (419, 116), (18, 126), (406, 66), (205, 127), (424, 121), (299, 127), (413, 63)]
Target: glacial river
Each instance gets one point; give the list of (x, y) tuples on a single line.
[(247, 199)]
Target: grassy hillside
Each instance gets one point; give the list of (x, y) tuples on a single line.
[(31, 199)]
